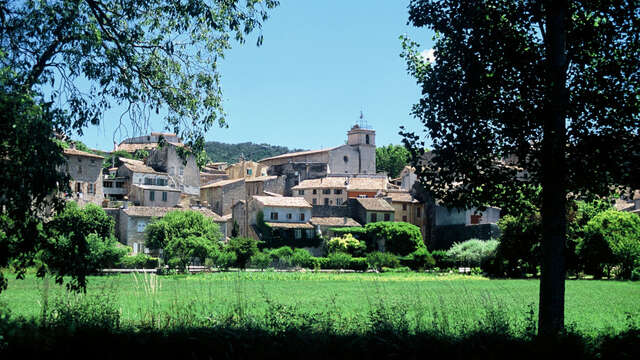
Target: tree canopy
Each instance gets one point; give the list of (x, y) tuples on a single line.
[(525, 94), (63, 63), (391, 159)]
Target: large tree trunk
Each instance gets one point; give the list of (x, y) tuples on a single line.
[(551, 312)]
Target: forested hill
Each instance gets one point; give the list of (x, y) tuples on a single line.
[(231, 153)]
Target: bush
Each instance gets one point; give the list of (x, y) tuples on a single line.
[(442, 259), (420, 259), (302, 258), (473, 253), (225, 259), (347, 244), (358, 264), (357, 232), (519, 251), (281, 252), (377, 260), (244, 248), (260, 260), (611, 238), (400, 238), (139, 261), (339, 261)]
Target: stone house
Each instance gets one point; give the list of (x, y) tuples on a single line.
[(146, 142), (183, 172), (264, 184), (335, 190), (132, 221), (222, 195), (115, 188), (288, 216), (369, 210), (154, 195), (244, 169), (85, 173)]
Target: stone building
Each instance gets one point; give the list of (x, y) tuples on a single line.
[(356, 157), (289, 215), (137, 173), (184, 173), (369, 210), (324, 224), (408, 209), (265, 184), (85, 172), (245, 169), (154, 195), (222, 195), (132, 221), (146, 142), (335, 190)]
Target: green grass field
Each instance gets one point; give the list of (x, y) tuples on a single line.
[(452, 303)]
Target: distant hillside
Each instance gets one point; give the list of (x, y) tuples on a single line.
[(231, 153)]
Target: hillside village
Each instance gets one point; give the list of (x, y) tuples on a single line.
[(297, 196)]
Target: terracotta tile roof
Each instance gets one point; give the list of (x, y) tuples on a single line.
[(227, 217), (284, 201), (622, 205), (261, 178), (131, 148), (77, 152), (163, 134), (285, 225), (327, 182), (334, 221), (221, 183), (297, 154), (401, 196), (363, 183), (155, 211), (138, 166), (375, 204)]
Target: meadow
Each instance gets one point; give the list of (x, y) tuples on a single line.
[(342, 303)]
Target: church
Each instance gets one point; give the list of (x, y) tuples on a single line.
[(356, 158)]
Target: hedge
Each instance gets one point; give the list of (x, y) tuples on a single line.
[(139, 261)]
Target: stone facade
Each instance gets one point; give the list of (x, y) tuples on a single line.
[(222, 195), (150, 195), (185, 175), (246, 170), (365, 210), (270, 184), (294, 173), (85, 172)]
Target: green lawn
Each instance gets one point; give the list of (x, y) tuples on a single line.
[(452, 303)]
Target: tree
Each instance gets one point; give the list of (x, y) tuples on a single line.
[(400, 238), (80, 241), (180, 252), (391, 159), (64, 63), (244, 248), (539, 93)]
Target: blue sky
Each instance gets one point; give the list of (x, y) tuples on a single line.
[(321, 63)]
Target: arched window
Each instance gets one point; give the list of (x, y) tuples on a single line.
[(367, 139)]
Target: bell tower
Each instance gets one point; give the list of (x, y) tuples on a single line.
[(363, 138)]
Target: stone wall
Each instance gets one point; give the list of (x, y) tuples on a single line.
[(84, 170), (304, 171), (331, 211)]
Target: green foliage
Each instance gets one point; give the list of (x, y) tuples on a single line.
[(302, 258), (611, 238), (244, 248), (377, 260), (519, 251), (347, 244), (80, 242), (184, 236), (231, 153), (400, 238), (420, 260), (281, 252), (260, 260), (338, 260), (442, 259), (357, 232), (391, 159), (181, 224), (473, 253), (225, 259), (138, 261)]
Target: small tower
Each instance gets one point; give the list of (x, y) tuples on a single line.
[(363, 137)]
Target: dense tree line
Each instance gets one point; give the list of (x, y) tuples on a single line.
[(231, 153)]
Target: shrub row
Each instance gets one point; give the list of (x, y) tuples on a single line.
[(139, 261)]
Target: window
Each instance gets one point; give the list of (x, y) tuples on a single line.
[(91, 188), (289, 216), (79, 187), (161, 182), (346, 158), (119, 184), (367, 139), (338, 201), (309, 234), (404, 218), (326, 191), (249, 171), (148, 181), (404, 207), (387, 217), (374, 217), (152, 195), (297, 233), (337, 191), (141, 225), (135, 248), (300, 192), (314, 201), (164, 196), (362, 196), (326, 201), (475, 219), (274, 216), (79, 169), (93, 161), (302, 217), (107, 184), (181, 171), (418, 210), (314, 191)]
